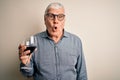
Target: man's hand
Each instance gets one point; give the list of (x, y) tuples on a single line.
[(24, 55)]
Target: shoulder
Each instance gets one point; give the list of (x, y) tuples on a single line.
[(74, 40), (72, 36)]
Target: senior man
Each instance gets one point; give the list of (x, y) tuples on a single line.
[(59, 54)]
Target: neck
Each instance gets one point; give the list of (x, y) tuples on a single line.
[(56, 38)]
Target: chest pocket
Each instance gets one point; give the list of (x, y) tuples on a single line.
[(68, 57)]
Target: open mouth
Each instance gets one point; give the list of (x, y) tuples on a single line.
[(55, 27)]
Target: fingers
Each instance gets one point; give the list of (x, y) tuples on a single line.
[(21, 48), (24, 55), (25, 59)]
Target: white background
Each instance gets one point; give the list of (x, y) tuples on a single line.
[(96, 22)]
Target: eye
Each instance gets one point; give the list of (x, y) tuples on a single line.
[(61, 16), (50, 15)]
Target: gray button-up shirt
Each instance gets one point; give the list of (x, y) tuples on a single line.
[(61, 61)]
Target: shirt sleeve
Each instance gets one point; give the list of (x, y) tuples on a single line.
[(81, 66)]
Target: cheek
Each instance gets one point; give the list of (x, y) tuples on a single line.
[(48, 23), (62, 25)]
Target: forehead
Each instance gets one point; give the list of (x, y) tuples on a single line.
[(56, 11)]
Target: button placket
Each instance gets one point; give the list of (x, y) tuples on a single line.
[(57, 62)]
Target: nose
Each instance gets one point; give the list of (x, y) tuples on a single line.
[(55, 21)]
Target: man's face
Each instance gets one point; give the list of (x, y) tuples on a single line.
[(54, 21)]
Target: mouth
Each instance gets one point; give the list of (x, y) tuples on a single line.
[(55, 27)]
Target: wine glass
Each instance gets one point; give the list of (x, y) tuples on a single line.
[(31, 44)]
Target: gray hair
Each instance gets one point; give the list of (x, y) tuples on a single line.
[(55, 5)]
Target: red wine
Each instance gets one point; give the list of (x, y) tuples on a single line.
[(31, 48)]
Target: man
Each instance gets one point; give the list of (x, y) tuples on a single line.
[(59, 54)]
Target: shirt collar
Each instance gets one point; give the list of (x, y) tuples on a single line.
[(45, 34)]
